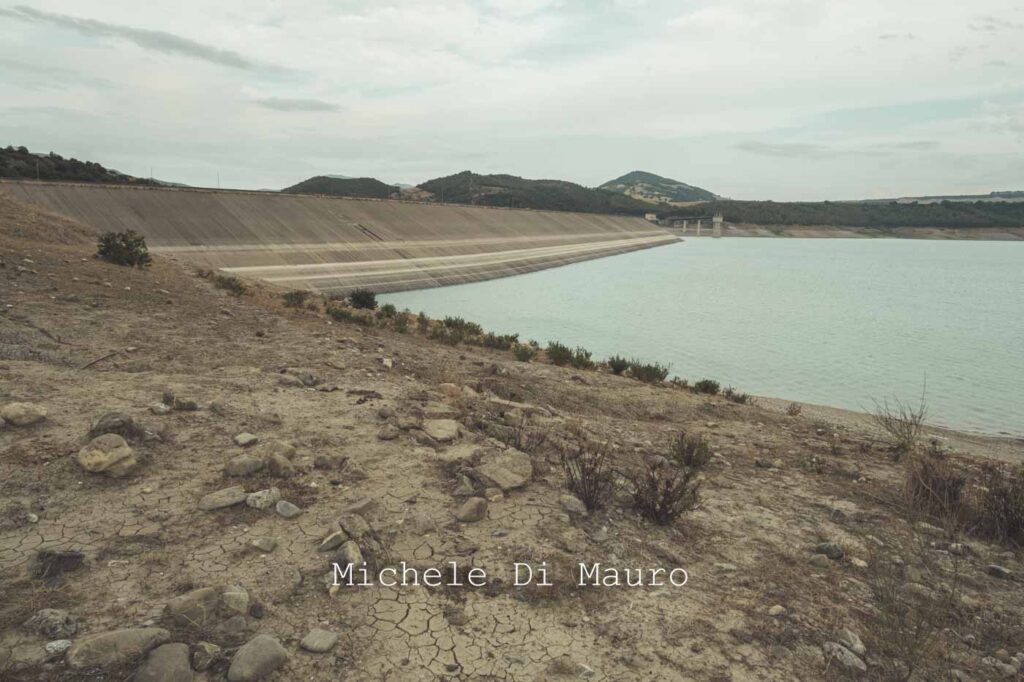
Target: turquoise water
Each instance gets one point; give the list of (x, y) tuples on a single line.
[(830, 321)]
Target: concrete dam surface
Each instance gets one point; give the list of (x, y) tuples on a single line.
[(335, 244)]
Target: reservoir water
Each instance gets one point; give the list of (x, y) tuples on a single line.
[(838, 322)]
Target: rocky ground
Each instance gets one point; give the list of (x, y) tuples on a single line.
[(179, 468)]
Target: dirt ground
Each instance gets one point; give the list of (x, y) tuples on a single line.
[(365, 409)]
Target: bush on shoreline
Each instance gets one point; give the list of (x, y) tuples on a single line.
[(126, 248)]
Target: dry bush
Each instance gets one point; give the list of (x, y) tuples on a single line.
[(997, 508), (690, 451), (794, 409), (902, 422), (662, 493), (588, 472), (933, 486)]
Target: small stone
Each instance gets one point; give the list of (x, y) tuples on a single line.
[(279, 465), (573, 504), (323, 461), (166, 663), (494, 495), (319, 641), (114, 648), (53, 623), (223, 498), (264, 544), (386, 412), (22, 414), (858, 563), (464, 487), (389, 432), (236, 598), (263, 499), (243, 465), (108, 454), (844, 656), (160, 409), (246, 439), (763, 464), (820, 561), (194, 608), (257, 659), (473, 509), (290, 381), (849, 639), (997, 571), (205, 655), (776, 610), (349, 554), (441, 430), (287, 509), (333, 541), (57, 646)]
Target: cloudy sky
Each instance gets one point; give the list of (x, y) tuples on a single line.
[(758, 99)]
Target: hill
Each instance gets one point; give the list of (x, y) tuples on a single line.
[(509, 190), (339, 186), (650, 187), (951, 214), (20, 163)]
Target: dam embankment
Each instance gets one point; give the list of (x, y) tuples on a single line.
[(335, 244)]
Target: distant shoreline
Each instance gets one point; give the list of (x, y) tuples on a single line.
[(833, 232)]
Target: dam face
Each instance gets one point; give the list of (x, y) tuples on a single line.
[(335, 244)]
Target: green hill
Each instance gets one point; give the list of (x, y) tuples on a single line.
[(343, 187), (20, 163), (651, 187), (509, 190)]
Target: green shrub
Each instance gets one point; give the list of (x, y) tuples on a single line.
[(581, 358), (463, 327), (295, 299), (708, 386), (525, 353), (402, 323), (362, 298), (680, 383), (735, 396), (342, 314), (559, 354), (124, 248), (618, 364), (499, 341), (691, 451), (388, 310), (423, 322), (229, 283), (648, 372)]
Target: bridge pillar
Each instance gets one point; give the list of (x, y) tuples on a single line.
[(698, 227)]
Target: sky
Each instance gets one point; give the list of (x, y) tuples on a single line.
[(751, 99)]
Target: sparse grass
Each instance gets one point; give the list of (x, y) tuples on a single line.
[(230, 284), (525, 353), (648, 372), (124, 248), (707, 386), (559, 354), (362, 298), (934, 487), (997, 507), (295, 299), (588, 472), (902, 422), (618, 364)]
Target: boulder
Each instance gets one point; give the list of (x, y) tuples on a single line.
[(257, 659), (287, 509), (227, 497), (263, 499), (166, 663), (473, 509), (508, 470), (22, 414), (243, 465), (441, 430), (114, 648), (108, 454)]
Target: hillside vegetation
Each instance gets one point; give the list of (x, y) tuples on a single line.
[(509, 190), (343, 187), (861, 214), (650, 187), (20, 163)]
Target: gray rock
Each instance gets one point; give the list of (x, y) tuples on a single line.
[(997, 571), (120, 423), (355, 525), (830, 549), (333, 541), (441, 430), (849, 639), (256, 659), (194, 609), (473, 509), (114, 648), (166, 663), (264, 544), (287, 509), (820, 561), (319, 641), (22, 414), (573, 504), (349, 554), (243, 465), (464, 486), (388, 432), (279, 465), (236, 599), (844, 656), (53, 623), (246, 439), (205, 655), (108, 454), (57, 646), (507, 470), (223, 498), (263, 499), (160, 409)]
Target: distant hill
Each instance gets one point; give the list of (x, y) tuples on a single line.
[(1012, 195), (654, 188), (19, 162), (509, 190), (343, 187)]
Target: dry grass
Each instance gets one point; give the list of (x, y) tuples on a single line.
[(902, 422), (588, 472)]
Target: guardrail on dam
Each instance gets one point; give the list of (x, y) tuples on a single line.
[(337, 244)]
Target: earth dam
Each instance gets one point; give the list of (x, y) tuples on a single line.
[(335, 244)]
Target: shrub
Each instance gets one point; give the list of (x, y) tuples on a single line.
[(735, 396), (525, 353), (902, 422), (388, 310), (648, 372), (680, 383), (229, 283), (295, 299), (499, 341), (423, 322), (559, 354), (124, 248), (998, 506), (662, 493), (402, 323), (934, 487), (618, 364), (362, 298), (794, 409), (581, 358), (588, 473), (688, 451), (708, 386), (342, 314), (463, 327)]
